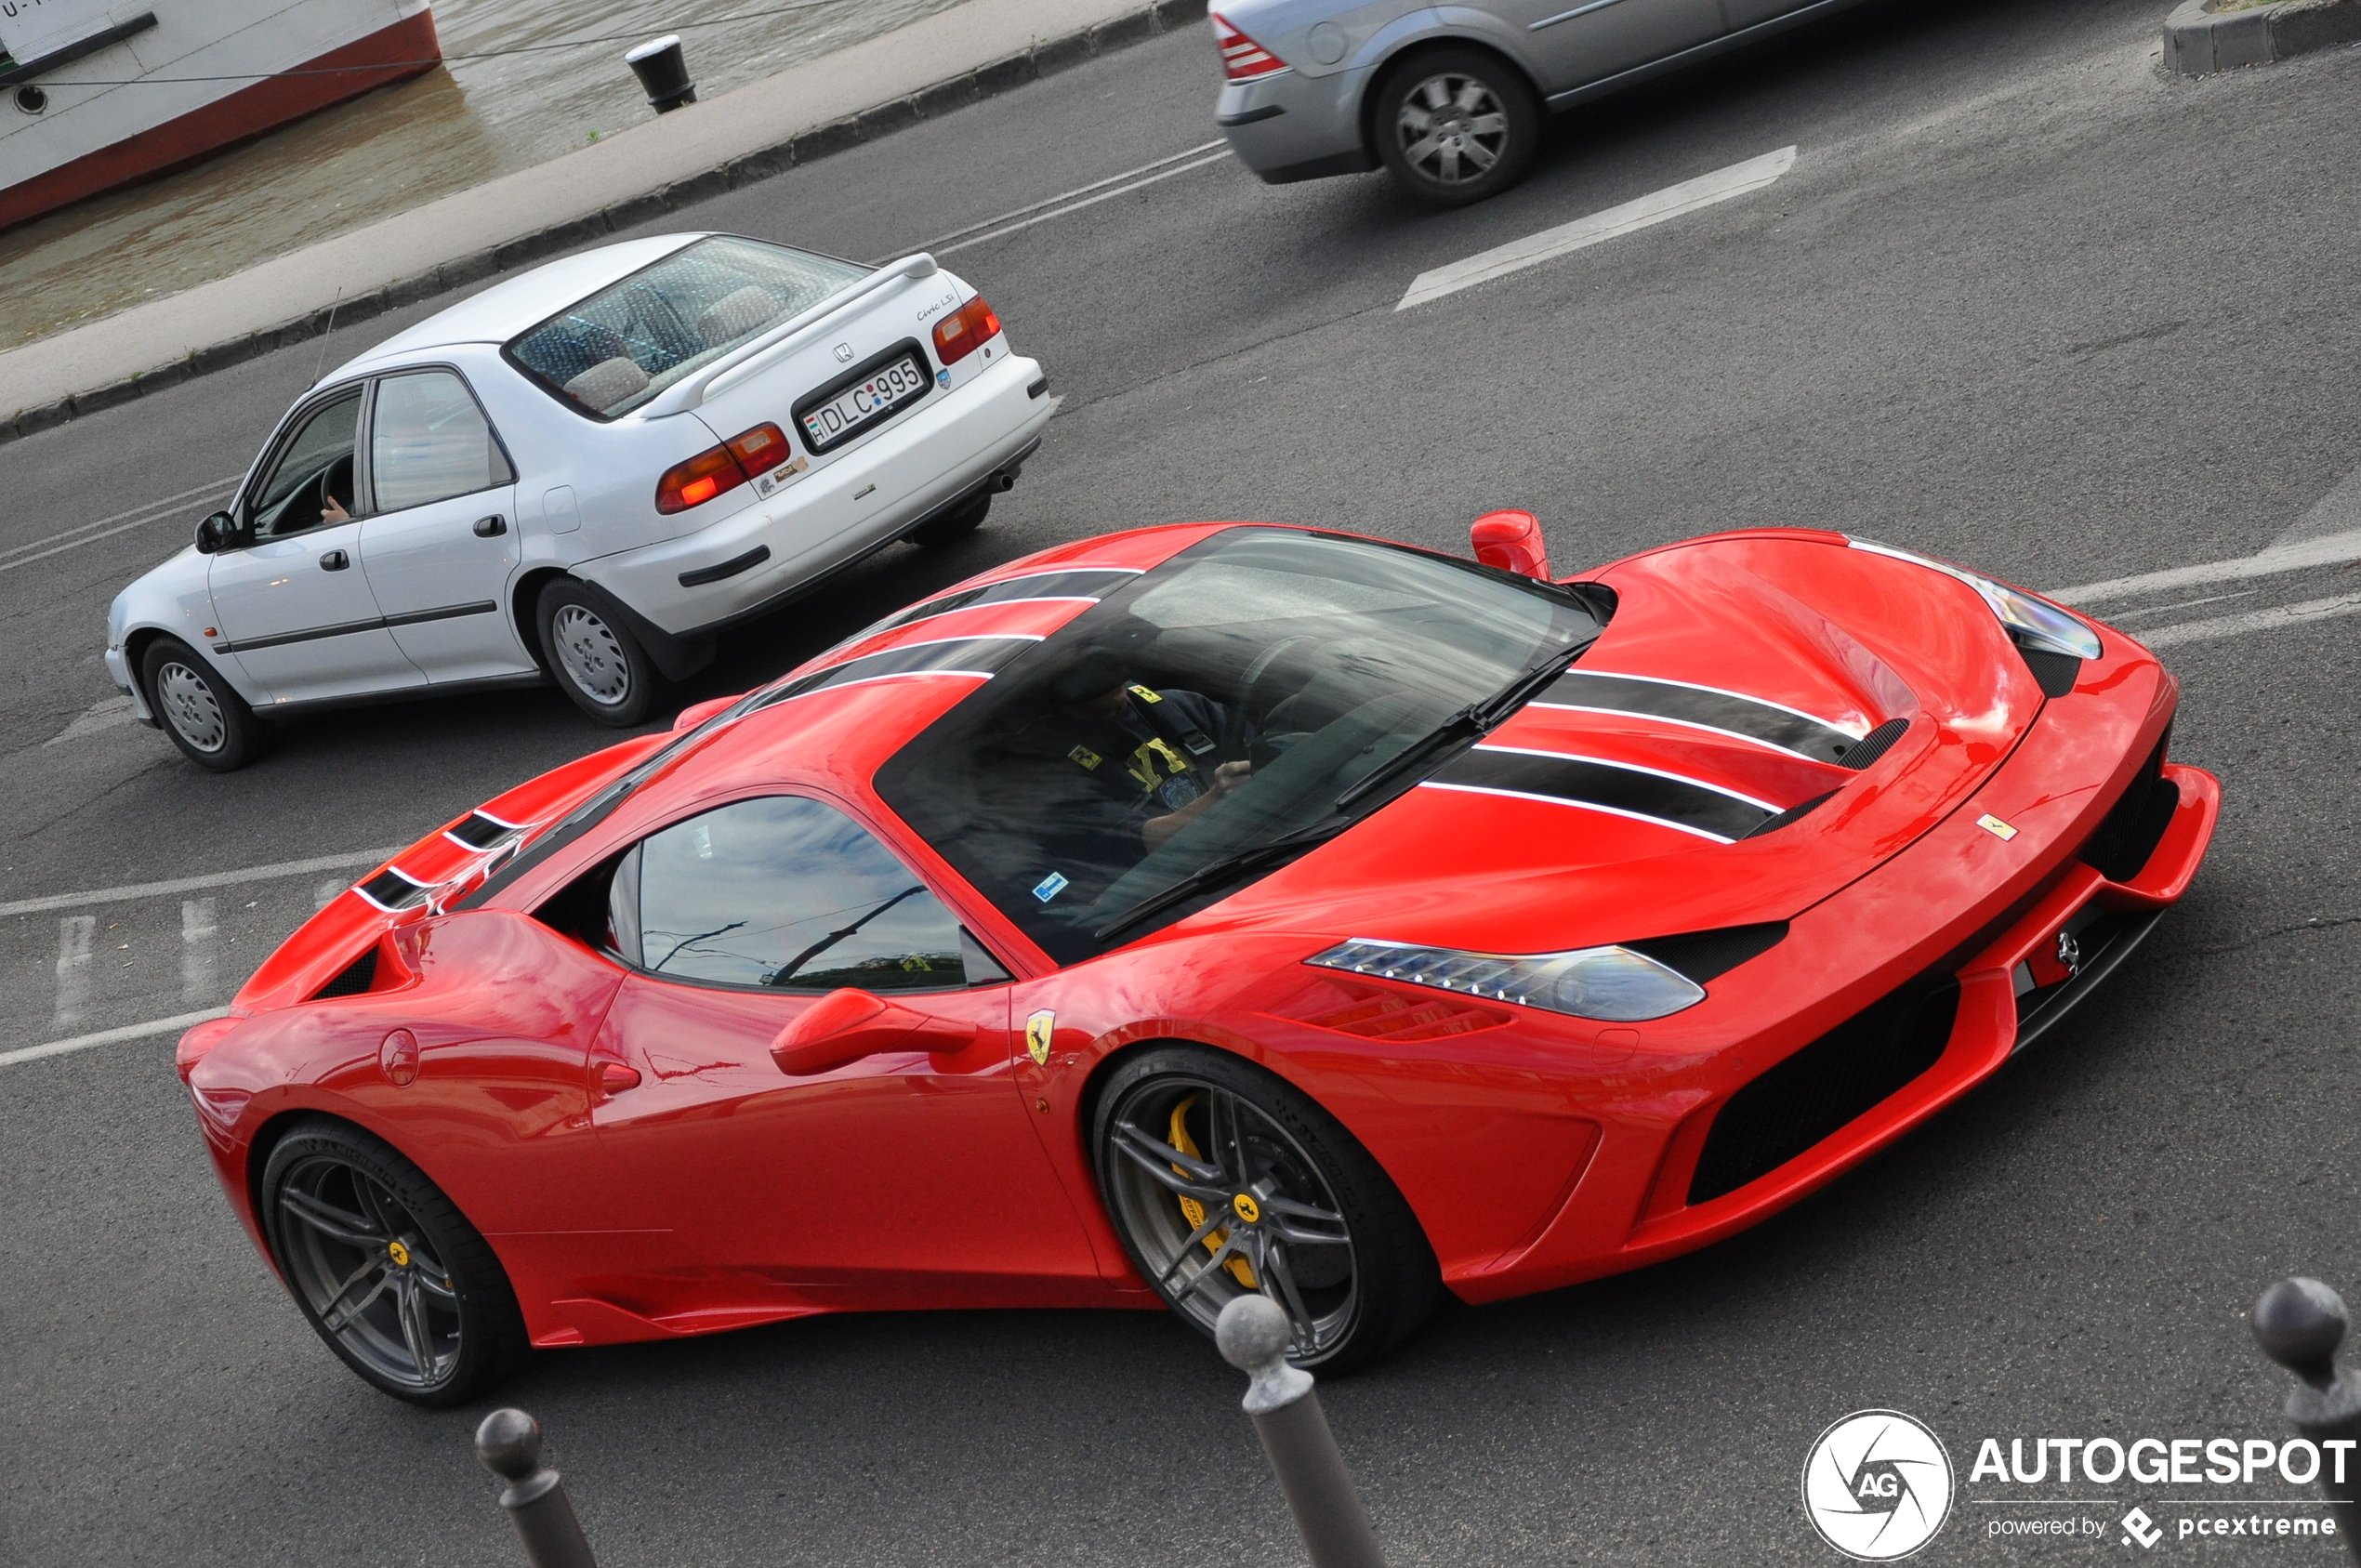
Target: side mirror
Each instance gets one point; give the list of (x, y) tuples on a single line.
[(697, 713), (847, 1025), (216, 534), (1510, 541)]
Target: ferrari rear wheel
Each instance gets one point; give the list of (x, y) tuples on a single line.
[(1225, 1180), (386, 1268)]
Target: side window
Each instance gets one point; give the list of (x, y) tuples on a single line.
[(428, 441), (312, 482), (787, 893)]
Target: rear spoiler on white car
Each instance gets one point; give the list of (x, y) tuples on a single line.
[(752, 359)]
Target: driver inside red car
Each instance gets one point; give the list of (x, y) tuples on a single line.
[(1162, 756)]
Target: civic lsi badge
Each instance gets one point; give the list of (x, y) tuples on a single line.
[(1038, 1030), (1996, 827)]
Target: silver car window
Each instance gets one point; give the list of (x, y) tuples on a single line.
[(428, 441), (315, 467), (606, 355)]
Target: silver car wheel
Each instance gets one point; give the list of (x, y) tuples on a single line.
[(1452, 128), (592, 655), (190, 707)]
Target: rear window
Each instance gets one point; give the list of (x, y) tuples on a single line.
[(609, 353)]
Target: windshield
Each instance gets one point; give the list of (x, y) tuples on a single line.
[(606, 355), (1221, 702)]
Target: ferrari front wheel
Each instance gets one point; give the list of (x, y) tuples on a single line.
[(1224, 1180), (386, 1268)]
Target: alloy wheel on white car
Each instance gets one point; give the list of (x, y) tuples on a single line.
[(592, 655), (1456, 126), (1453, 128), (189, 706)]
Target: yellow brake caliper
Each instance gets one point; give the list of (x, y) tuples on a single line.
[(1240, 1269)]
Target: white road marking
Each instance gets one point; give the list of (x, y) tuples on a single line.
[(109, 1036), (2188, 603), (201, 884), (91, 532), (1027, 211), (200, 943), (1615, 222), (2330, 549), (1077, 206), (76, 933), (2272, 619), (98, 717)]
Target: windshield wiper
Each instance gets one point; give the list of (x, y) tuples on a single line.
[(1228, 868), (1467, 724)]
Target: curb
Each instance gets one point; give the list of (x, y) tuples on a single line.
[(2198, 41), (1044, 58)]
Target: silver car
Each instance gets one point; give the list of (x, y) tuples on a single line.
[(580, 475), (1450, 98)]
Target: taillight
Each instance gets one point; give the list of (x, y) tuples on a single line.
[(1242, 59), (726, 467), (964, 331)]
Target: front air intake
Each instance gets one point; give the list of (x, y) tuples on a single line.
[(1837, 1078), (2119, 851)]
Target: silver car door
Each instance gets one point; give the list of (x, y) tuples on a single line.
[(440, 544), (1577, 42), (290, 603)]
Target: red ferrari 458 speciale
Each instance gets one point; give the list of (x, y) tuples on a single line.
[(1203, 910)]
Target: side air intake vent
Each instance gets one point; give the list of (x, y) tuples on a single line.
[(1874, 745), (358, 976), (2119, 851), (2056, 673), (1830, 1082)]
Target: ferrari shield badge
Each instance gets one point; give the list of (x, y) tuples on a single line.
[(1038, 1030), (1996, 827)]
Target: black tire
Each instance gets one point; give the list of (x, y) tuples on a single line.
[(594, 656), (953, 526), (1456, 126), (1316, 1225), (333, 1199), (206, 719)]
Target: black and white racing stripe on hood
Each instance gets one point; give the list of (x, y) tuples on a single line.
[(1701, 708), (983, 656), (1622, 789)]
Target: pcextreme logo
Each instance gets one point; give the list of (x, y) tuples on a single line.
[(1876, 1485)]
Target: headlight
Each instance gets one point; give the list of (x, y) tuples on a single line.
[(2030, 621), (1612, 983)]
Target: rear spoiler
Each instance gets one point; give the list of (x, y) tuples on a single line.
[(752, 359)]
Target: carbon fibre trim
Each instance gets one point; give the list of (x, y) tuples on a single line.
[(1624, 790), (1702, 707)]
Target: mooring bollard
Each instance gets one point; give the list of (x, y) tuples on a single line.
[(1253, 1335), (664, 72), (2298, 1323), (509, 1444)]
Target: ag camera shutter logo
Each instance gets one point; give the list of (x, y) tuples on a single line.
[(1876, 1485)]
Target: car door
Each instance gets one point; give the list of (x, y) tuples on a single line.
[(439, 542), (1582, 41), (912, 1176), (291, 603)]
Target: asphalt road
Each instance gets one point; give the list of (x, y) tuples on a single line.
[(2019, 301)]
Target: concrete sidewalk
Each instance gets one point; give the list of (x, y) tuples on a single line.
[(939, 63)]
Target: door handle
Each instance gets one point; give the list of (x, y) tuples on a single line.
[(614, 1078), (334, 561), (491, 527)]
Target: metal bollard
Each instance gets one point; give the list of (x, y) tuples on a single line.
[(663, 71), (509, 1444), (2298, 1323), (1253, 1334)]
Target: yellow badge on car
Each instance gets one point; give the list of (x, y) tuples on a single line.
[(1996, 827), (1246, 1209), (1038, 1030), (400, 1254)]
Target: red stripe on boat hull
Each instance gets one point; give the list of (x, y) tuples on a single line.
[(393, 54)]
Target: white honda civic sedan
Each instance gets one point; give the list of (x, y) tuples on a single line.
[(581, 474)]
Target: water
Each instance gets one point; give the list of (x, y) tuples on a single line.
[(458, 125)]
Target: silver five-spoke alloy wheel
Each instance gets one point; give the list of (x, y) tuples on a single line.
[(1452, 128), (592, 655), (190, 707), (1222, 1201), (369, 1273)]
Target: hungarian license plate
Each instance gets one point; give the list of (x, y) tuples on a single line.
[(871, 399)]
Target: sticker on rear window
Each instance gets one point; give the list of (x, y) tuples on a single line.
[(1051, 887)]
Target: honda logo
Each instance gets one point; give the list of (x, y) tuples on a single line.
[(843, 352)]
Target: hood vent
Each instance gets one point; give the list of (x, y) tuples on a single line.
[(1860, 755), (2054, 672), (480, 831), (1703, 956)]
